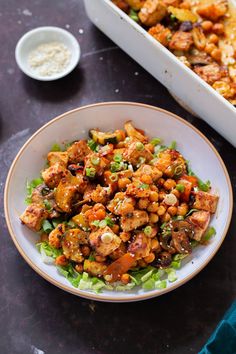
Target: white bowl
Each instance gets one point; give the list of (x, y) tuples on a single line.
[(199, 97), (75, 124), (41, 35)]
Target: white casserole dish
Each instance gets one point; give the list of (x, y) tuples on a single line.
[(185, 85)]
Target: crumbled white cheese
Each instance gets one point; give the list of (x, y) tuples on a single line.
[(49, 58)]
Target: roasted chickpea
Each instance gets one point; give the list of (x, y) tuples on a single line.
[(153, 207), (182, 209), (153, 196), (125, 278), (176, 193), (79, 268), (155, 245), (153, 218), (99, 258), (166, 217), (125, 236), (169, 184), (146, 179), (160, 182), (206, 26), (150, 258), (153, 188), (61, 260), (162, 195), (210, 47), (216, 54), (161, 210), (213, 38), (85, 250), (218, 28), (143, 203), (172, 210), (123, 182)]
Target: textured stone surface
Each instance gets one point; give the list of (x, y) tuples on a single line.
[(36, 317)]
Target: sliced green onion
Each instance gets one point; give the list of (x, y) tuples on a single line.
[(133, 14), (160, 284), (113, 177), (47, 226), (149, 284), (47, 204), (173, 145), (171, 275), (155, 141), (163, 225), (190, 212), (178, 170), (204, 186), (143, 186), (118, 158), (180, 187), (172, 17), (148, 230), (209, 233), (139, 146), (90, 172), (55, 147), (95, 160), (92, 145), (115, 166), (109, 221), (103, 223), (96, 223)]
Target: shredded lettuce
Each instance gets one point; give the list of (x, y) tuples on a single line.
[(210, 232), (48, 250), (30, 186)]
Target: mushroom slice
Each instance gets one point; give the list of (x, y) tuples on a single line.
[(163, 260), (181, 232)]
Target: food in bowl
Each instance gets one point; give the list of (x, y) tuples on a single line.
[(200, 33), (119, 210)]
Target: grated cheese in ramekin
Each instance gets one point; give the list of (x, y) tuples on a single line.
[(49, 58)]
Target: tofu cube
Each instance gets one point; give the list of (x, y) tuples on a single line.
[(133, 220), (152, 12), (205, 201), (53, 175), (33, 217), (104, 241), (58, 156)]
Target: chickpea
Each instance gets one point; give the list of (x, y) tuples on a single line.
[(85, 250), (155, 245), (182, 209), (142, 263), (169, 184), (125, 236), (146, 179), (210, 47), (172, 210), (154, 188), (61, 260), (185, 5), (79, 268), (150, 147), (125, 278), (166, 217), (162, 195), (153, 196), (213, 38), (176, 193), (153, 218), (161, 181), (99, 258), (153, 207), (115, 228), (143, 203), (150, 258), (216, 54), (206, 26), (161, 210), (122, 182), (218, 28)]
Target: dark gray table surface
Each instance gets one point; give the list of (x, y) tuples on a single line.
[(35, 316)]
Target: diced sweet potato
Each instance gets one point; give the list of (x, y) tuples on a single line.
[(181, 41), (205, 201), (119, 267), (53, 174), (200, 221), (133, 220), (33, 217), (104, 241), (140, 246), (152, 12), (78, 151), (94, 268), (58, 156), (161, 34)]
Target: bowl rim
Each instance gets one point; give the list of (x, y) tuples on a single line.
[(101, 296), (30, 34)]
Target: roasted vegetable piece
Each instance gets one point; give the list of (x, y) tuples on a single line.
[(58, 156), (94, 268), (135, 4), (106, 138), (181, 41), (163, 260), (71, 242), (136, 155), (134, 133), (171, 163), (55, 236), (209, 73), (205, 201), (78, 151), (200, 221), (140, 246), (119, 267), (133, 220), (152, 12), (66, 192), (161, 34), (94, 165), (53, 174), (104, 241), (148, 170), (33, 217), (182, 15), (181, 232), (212, 11), (121, 204)]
